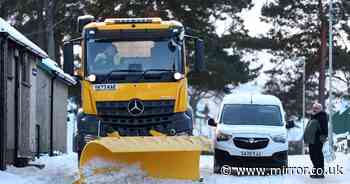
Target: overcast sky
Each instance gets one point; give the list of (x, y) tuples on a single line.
[(251, 20), (256, 27)]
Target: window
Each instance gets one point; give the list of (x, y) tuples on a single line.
[(105, 56), (25, 67), (241, 114), (10, 61)]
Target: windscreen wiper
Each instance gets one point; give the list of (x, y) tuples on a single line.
[(153, 70), (156, 70), (115, 71)]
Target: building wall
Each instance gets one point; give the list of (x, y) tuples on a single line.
[(27, 106), (44, 81), (3, 107), (10, 103), (33, 105), (20, 64), (60, 116), (32, 110), (43, 108)]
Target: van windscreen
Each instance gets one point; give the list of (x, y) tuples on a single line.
[(249, 114)]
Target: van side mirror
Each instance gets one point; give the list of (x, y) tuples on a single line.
[(68, 58), (290, 124), (211, 122), (199, 65)]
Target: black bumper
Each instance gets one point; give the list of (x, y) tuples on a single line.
[(277, 160), (132, 126)]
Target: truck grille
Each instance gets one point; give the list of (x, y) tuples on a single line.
[(136, 126), (137, 121), (250, 143), (120, 109)]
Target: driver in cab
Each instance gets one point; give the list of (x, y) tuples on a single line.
[(107, 59)]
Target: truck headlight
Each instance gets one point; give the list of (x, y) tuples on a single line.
[(279, 138), (89, 137), (88, 125), (223, 137), (178, 76), (182, 134)]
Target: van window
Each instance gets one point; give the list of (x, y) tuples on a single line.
[(248, 114)]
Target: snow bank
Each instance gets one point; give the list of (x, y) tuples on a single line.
[(114, 173), (63, 170), (58, 170), (118, 173), (11, 178), (294, 161)]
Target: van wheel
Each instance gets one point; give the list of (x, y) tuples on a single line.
[(79, 155), (217, 167)]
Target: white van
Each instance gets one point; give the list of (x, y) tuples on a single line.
[(251, 131)]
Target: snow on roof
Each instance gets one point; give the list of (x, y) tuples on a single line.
[(15, 35), (247, 98), (53, 68)]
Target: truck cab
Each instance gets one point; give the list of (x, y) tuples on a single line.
[(133, 79)]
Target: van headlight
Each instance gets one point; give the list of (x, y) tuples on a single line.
[(223, 137), (279, 138)]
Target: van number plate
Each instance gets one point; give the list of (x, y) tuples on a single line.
[(251, 153)]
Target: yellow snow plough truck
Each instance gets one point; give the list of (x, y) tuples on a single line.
[(133, 77)]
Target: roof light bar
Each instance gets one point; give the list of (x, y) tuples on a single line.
[(132, 20)]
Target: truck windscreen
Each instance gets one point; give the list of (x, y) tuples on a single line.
[(104, 56)]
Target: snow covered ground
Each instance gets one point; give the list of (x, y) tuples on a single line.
[(63, 170), (58, 170)]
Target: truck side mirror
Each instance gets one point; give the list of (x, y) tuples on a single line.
[(83, 20), (68, 58), (211, 122), (199, 56), (290, 124)]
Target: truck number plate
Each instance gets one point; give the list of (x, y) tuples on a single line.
[(251, 153), (104, 87)]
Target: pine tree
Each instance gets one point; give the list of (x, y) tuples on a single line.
[(42, 20), (300, 29)]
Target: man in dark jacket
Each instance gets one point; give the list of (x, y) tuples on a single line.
[(319, 137)]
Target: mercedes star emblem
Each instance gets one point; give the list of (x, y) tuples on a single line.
[(135, 107)]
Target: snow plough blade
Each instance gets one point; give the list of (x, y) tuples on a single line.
[(159, 156)]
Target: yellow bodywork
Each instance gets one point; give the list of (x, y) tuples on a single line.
[(145, 91), (159, 156)]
